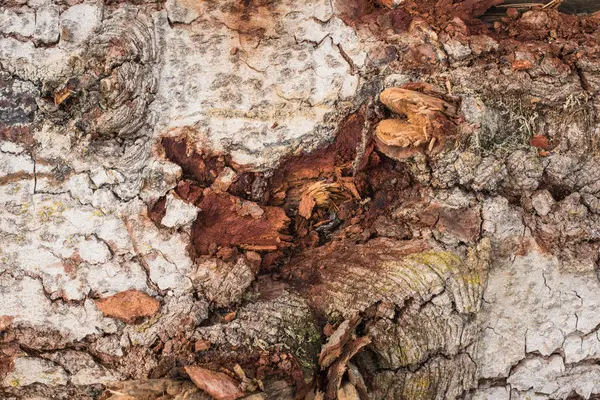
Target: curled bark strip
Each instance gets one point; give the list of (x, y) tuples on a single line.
[(357, 380), (338, 368), (333, 348)]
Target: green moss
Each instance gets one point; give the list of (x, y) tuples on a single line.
[(401, 353), (418, 388), (307, 339)]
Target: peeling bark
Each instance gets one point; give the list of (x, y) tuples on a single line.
[(283, 200)]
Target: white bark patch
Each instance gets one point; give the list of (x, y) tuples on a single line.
[(30, 370), (178, 212)]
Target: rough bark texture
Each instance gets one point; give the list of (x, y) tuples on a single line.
[(209, 198)]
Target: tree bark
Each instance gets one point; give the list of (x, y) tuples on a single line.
[(272, 199)]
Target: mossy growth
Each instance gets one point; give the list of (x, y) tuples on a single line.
[(418, 387), (510, 120), (507, 125), (439, 260), (305, 343)]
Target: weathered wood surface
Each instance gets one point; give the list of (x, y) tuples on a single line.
[(212, 191)]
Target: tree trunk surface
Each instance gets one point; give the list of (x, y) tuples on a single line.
[(278, 199)]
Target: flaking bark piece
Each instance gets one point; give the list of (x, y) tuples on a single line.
[(225, 220), (399, 133), (427, 120), (128, 306), (411, 102), (217, 384), (323, 194), (149, 389), (357, 380), (348, 392), (338, 368), (333, 348)]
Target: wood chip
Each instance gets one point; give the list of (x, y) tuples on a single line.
[(201, 345), (412, 103), (324, 194), (252, 247), (230, 316), (128, 306), (61, 95), (396, 132), (240, 372), (307, 204), (217, 384), (427, 120), (522, 65), (540, 141)]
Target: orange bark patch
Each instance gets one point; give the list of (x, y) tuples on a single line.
[(217, 384), (289, 180), (226, 220), (201, 345), (128, 306), (5, 322), (522, 65), (540, 141), (204, 168)]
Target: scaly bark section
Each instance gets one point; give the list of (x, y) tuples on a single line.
[(225, 163)]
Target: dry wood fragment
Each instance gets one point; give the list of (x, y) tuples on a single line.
[(61, 95), (338, 368), (201, 345), (388, 129), (348, 392), (225, 220), (522, 65), (357, 380), (427, 120), (415, 104), (333, 348), (540, 141), (217, 384), (230, 316), (322, 194), (128, 306)]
